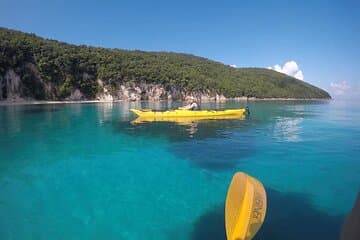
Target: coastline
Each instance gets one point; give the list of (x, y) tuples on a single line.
[(44, 102)]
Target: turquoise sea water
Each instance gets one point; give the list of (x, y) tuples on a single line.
[(84, 171)]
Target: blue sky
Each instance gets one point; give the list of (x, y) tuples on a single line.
[(322, 37)]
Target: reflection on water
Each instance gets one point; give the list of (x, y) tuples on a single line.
[(288, 129), (36, 109), (104, 111), (156, 105), (176, 129), (76, 109), (193, 128), (124, 109), (12, 118)]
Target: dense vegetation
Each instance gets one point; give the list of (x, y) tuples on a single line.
[(67, 67)]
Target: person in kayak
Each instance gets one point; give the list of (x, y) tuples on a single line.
[(191, 104)]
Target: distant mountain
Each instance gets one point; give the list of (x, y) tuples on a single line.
[(35, 68)]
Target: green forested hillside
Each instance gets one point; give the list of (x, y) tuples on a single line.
[(40, 62)]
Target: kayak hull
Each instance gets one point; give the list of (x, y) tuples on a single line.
[(189, 113), (186, 120)]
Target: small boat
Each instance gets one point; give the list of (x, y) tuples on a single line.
[(148, 113), (186, 120)]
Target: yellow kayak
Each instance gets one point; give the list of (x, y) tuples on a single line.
[(145, 113), (186, 120)]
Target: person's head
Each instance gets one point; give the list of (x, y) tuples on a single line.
[(190, 99)]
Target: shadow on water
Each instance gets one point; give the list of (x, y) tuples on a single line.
[(210, 225), (213, 145), (31, 109), (41, 110), (289, 216), (216, 154)]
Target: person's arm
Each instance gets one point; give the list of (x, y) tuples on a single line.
[(187, 107)]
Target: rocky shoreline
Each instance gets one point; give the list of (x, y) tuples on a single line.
[(14, 90), (244, 99)]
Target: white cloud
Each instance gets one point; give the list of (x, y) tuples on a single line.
[(340, 88), (233, 65), (299, 75), (345, 90), (290, 68)]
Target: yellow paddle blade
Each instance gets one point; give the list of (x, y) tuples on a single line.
[(245, 207)]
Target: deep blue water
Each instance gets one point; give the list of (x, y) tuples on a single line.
[(84, 171)]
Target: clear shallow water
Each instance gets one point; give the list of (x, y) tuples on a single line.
[(83, 171)]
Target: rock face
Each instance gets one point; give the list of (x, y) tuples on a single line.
[(104, 95), (2, 85), (152, 92), (208, 97), (12, 88), (46, 87), (76, 95)]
